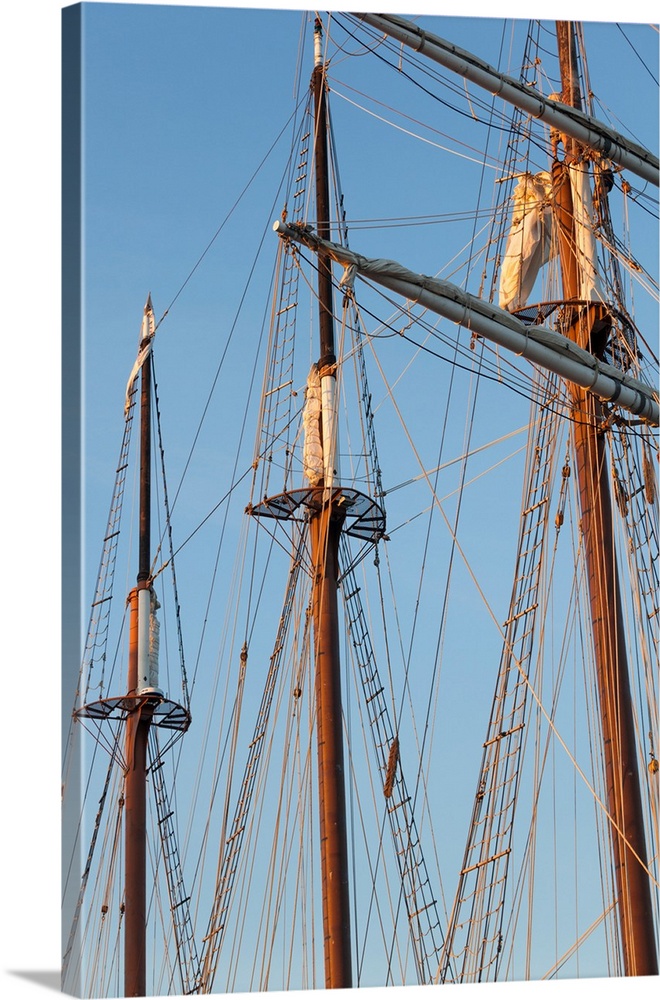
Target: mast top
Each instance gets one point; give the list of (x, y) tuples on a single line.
[(148, 327)]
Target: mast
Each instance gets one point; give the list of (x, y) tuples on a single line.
[(139, 720), (588, 325), (325, 531), (144, 704)]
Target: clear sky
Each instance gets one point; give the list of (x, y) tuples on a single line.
[(142, 168)]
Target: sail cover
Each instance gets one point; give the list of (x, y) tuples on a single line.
[(585, 243), (147, 332), (143, 354), (530, 243), (312, 446)]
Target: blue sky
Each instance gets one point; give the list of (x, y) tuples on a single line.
[(33, 344)]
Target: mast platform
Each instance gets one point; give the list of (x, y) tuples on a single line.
[(361, 516), (164, 713)]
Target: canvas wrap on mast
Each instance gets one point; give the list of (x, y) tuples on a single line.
[(312, 445), (148, 642), (585, 242)]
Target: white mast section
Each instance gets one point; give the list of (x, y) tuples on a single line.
[(578, 125), (540, 345)]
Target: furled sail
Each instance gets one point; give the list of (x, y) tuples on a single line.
[(312, 446), (147, 331), (530, 243), (585, 243)]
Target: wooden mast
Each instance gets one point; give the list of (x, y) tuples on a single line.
[(589, 325), (325, 532), (139, 720)]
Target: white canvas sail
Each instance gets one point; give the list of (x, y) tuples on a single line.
[(530, 244)]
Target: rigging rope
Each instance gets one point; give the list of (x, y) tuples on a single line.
[(474, 939), (228, 861)]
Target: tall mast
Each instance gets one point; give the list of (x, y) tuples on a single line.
[(325, 531), (588, 325), (139, 720), (143, 705)]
